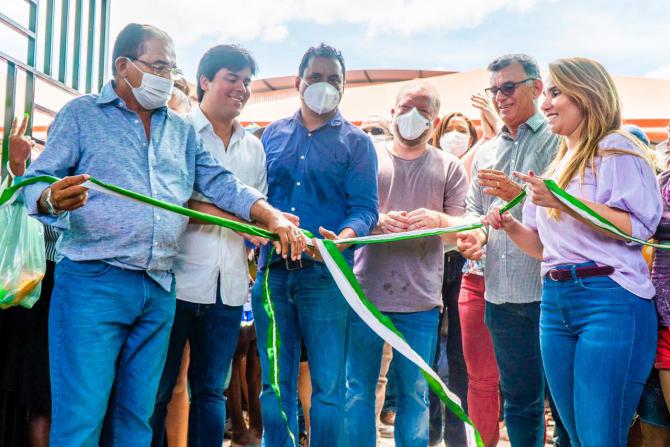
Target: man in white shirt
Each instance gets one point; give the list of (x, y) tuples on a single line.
[(211, 270)]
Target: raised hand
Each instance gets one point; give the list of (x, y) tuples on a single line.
[(497, 183), (20, 146)]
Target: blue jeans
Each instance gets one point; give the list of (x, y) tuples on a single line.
[(515, 330), (364, 353), (212, 331), (390, 401), (449, 361), (598, 346), (308, 305), (108, 337)]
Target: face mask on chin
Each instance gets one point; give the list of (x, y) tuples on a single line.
[(412, 125), (455, 143), (321, 97), (153, 92)]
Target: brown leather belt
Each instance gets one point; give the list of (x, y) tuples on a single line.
[(580, 272)]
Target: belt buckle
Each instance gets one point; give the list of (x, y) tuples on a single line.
[(553, 275), (292, 265)]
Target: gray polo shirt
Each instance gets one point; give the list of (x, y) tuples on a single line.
[(510, 275)]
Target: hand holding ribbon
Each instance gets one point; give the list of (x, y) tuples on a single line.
[(66, 195), (538, 192), (498, 221)]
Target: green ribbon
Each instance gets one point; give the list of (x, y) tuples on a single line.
[(581, 209), (274, 339), (332, 255)]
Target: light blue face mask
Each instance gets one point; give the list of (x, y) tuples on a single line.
[(153, 92)]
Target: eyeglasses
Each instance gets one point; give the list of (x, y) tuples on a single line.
[(161, 69), (374, 131), (507, 88)]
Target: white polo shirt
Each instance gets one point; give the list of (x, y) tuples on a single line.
[(208, 252)]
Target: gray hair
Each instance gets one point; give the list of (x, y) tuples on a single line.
[(528, 63)]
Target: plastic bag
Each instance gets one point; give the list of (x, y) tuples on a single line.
[(22, 260)]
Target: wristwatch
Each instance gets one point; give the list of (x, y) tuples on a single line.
[(50, 206)]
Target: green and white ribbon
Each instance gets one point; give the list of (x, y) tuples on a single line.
[(588, 214), (383, 326), (344, 277)]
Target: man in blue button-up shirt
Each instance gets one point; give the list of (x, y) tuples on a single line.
[(113, 300), (323, 169)]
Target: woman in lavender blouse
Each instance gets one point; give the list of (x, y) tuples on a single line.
[(598, 322)]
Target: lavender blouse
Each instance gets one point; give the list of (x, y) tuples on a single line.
[(624, 182)]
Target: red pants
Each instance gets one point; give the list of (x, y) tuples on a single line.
[(483, 378), (663, 349)]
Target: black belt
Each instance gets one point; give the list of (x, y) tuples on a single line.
[(290, 264), (580, 272)]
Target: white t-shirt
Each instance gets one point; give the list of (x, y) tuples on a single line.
[(208, 252)]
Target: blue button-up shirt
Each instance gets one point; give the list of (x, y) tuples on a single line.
[(327, 177), (100, 136)]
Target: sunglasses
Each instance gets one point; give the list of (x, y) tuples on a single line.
[(374, 131), (507, 88)]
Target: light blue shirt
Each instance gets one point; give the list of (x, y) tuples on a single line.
[(100, 136)]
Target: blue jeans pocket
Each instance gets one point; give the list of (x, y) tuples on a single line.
[(84, 268), (598, 283)]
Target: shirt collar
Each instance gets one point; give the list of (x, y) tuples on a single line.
[(201, 122), (107, 94), (534, 123), (335, 121)]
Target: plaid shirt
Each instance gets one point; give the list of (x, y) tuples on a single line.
[(510, 275)]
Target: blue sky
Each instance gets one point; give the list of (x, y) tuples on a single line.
[(630, 38)]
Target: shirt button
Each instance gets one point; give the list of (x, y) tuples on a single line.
[(155, 243), (292, 208), (136, 121), (516, 143), (297, 183), (144, 144), (309, 134), (158, 218), (302, 157), (502, 256)]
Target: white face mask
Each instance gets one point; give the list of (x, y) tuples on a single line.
[(412, 124), (454, 142), (321, 97), (153, 92)]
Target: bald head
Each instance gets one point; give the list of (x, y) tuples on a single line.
[(416, 90)]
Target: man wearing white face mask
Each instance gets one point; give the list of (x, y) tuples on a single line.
[(420, 187), (114, 295), (323, 169)]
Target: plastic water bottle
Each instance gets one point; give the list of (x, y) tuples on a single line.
[(247, 313)]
